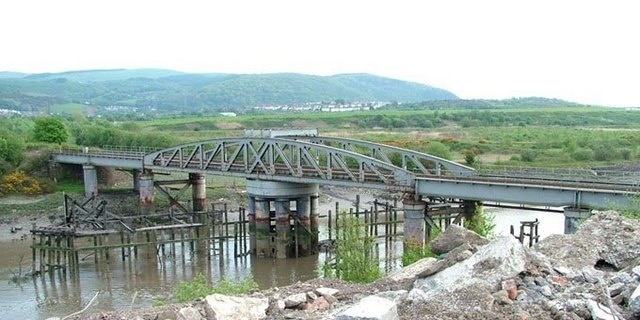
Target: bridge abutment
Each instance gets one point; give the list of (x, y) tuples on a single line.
[(572, 218), (90, 178), (277, 229)]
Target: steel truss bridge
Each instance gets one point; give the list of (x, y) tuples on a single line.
[(355, 163)]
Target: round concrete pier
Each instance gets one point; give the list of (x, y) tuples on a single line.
[(281, 218)]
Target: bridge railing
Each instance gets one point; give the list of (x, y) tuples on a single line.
[(578, 175), (121, 152)]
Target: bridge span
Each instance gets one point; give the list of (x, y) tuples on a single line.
[(288, 169)]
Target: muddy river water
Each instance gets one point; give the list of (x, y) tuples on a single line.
[(147, 281)]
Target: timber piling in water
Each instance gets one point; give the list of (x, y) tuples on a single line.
[(274, 226), (65, 247)]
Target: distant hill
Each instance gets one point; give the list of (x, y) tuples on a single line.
[(167, 90), (105, 75), (523, 102), (9, 74)]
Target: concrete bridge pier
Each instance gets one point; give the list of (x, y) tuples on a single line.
[(573, 217), (283, 228), (262, 227), (147, 196), (90, 178), (414, 225), (314, 222), (136, 180), (199, 191), (276, 230)]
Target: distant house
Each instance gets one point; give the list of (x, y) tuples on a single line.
[(228, 114)]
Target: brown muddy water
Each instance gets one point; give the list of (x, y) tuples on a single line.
[(144, 282)]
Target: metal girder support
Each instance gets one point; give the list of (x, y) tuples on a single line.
[(173, 201), (520, 193), (282, 160), (421, 163)]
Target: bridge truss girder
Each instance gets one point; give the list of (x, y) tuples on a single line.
[(417, 162), (282, 160)]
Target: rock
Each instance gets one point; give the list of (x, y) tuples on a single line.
[(634, 302), (312, 295), (222, 307), (501, 259), (619, 299), (370, 308), (455, 236), (280, 304), (605, 236), (622, 277), (462, 303), (510, 287), (574, 304), (600, 312), (615, 289), (522, 295), (54, 318), (326, 291), (592, 275), (295, 300), (168, 315), (636, 271), (395, 296), (434, 267), (502, 297), (559, 281), (563, 270), (546, 291), (413, 270), (189, 313), (316, 304), (331, 299)]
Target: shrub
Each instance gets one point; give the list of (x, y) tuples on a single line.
[(230, 287), (190, 290), (414, 251), (632, 211), (528, 155), (481, 223), (469, 158), (438, 149), (20, 182), (583, 154), (355, 259)]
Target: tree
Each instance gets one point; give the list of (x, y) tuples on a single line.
[(52, 130)]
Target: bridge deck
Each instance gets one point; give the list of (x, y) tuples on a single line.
[(559, 193), (355, 163)]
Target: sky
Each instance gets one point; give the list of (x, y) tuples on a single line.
[(581, 51)]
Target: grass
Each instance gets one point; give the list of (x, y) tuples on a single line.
[(200, 287), (414, 252), (30, 205)]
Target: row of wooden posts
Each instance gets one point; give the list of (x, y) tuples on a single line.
[(65, 247)]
